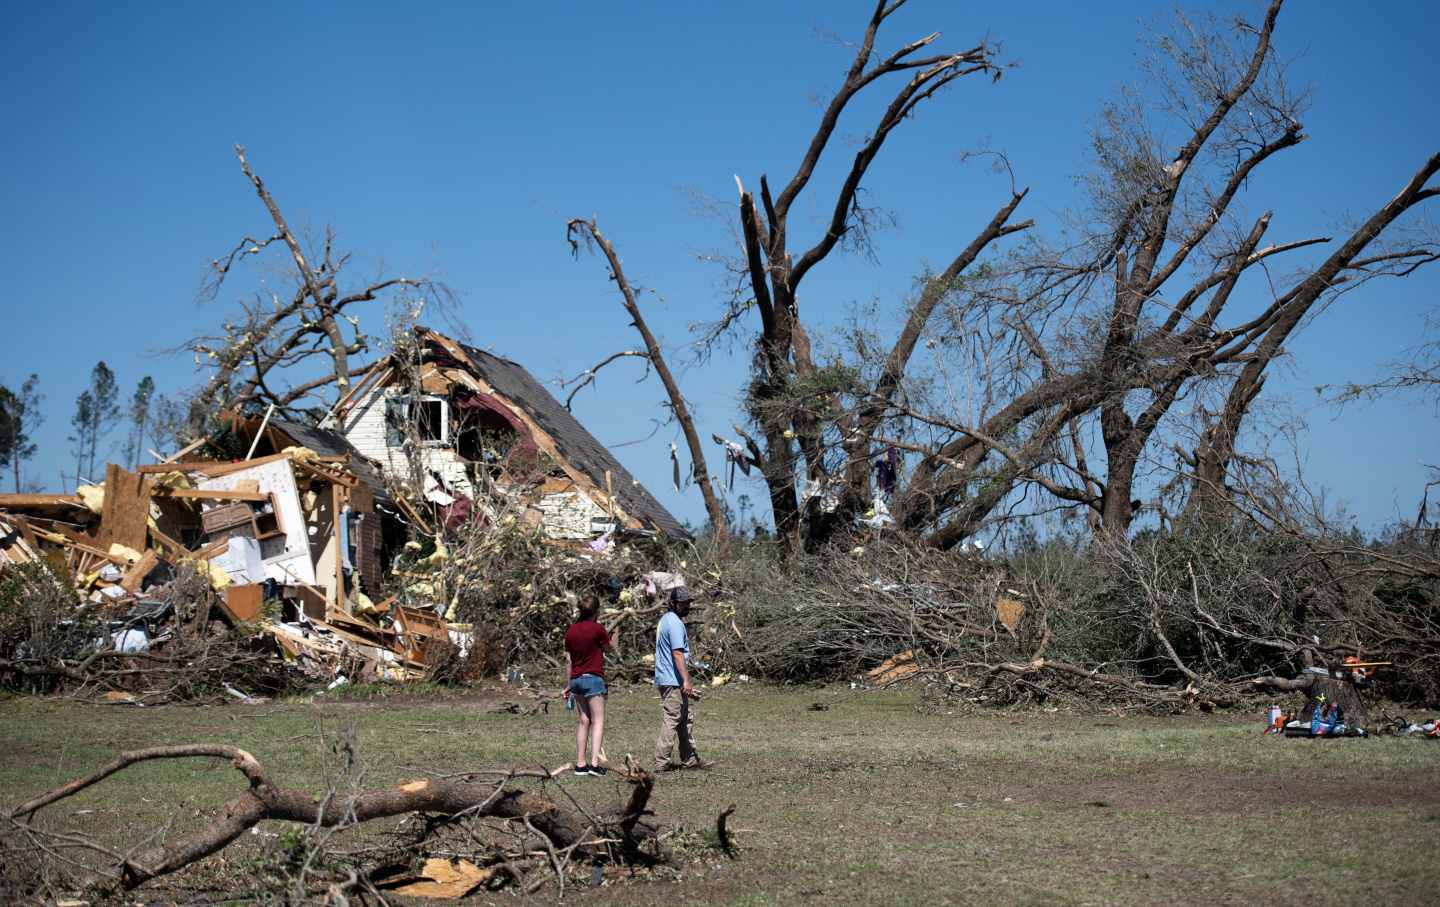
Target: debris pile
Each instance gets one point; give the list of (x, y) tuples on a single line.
[(288, 544), (449, 489)]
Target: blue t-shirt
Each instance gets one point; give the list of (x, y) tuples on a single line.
[(669, 636)]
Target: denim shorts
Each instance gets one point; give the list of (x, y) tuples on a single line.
[(588, 685)]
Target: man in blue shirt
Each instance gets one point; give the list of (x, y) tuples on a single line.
[(672, 647)]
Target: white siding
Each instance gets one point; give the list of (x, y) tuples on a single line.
[(364, 426), (571, 515)]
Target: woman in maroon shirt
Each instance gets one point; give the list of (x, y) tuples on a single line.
[(586, 643)]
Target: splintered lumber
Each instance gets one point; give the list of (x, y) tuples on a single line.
[(243, 603), (188, 448), (210, 468), (14, 548), (312, 600), (133, 577), (419, 631), (165, 540), (329, 475)]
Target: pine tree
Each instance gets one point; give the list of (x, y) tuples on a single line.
[(82, 441), (8, 404), (104, 407), (140, 417), (25, 419)]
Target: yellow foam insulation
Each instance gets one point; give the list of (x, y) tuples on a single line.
[(218, 577), (92, 496), (120, 551)]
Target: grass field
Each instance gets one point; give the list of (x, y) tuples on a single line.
[(849, 797)]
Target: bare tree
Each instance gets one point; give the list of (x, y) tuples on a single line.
[(791, 400), (1106, 333)]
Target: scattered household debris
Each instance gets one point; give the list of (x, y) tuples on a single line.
[(343, 565)]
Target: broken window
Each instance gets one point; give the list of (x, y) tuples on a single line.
[(428, 417)]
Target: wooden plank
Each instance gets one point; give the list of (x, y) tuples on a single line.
[(335, 507), (165, 540), (25, 501), (188, 448), (243, 603), (133, 577), (96, 553), (312, 600), (361, 389), (210, 552), (204, 494), (22, 526), (333, 476), (210, 468)]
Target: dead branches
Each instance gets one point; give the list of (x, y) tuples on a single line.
[(255, 357), (564, 831)]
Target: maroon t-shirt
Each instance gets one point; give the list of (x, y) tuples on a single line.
[(586, 641)]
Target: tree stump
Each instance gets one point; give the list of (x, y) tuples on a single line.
[(1343, 693)]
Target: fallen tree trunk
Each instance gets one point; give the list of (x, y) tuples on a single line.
[(471, 794)]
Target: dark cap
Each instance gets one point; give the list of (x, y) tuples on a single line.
[(680, 594)]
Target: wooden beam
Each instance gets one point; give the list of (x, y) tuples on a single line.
[(335, 505), (203, 494), (188, 448), (212, 469), (24, 501)]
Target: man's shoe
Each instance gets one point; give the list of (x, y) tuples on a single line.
[(698, 763), (668, 767), (581, 770)]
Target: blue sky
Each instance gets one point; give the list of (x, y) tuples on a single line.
[(455, 140)]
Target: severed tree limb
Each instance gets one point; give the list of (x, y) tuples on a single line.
[(579, 229), (262, 801)]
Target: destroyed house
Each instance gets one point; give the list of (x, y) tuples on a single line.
[(456, 415), (295, 507)]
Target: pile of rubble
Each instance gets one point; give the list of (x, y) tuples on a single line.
[(443, 484), (288, 542)]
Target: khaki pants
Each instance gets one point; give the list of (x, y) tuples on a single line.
[(676, 723)]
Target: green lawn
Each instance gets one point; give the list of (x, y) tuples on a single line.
[(866, 801)]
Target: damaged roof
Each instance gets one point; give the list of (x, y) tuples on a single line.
[(576, 445)]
